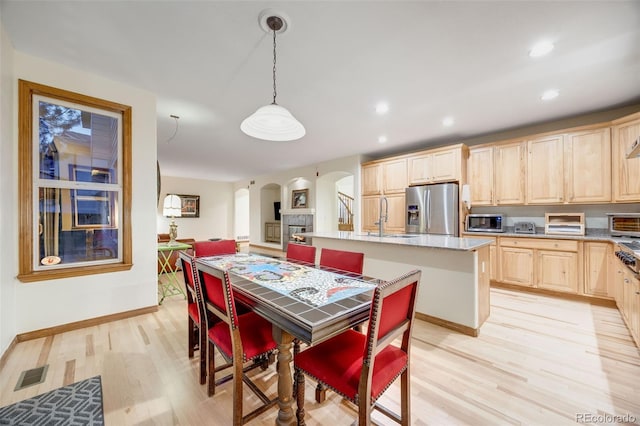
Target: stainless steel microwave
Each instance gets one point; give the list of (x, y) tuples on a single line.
[(624, 224), (486, 223)]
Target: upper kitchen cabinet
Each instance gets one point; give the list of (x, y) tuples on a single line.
[(545, 170), (626, 172), (371, 179), (436, 165), (587, 166), (480, 175), (509, 173), (394, 176)]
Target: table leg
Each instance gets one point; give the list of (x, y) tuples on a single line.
[(172, 286), (285, 382)]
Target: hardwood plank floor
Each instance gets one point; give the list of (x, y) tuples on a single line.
[(537, 361)]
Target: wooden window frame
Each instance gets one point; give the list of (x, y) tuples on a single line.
[(26, 273)]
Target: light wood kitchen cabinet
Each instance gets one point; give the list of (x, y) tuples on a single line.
[(545, 170), (516, 266), (626, 172), (397, 213), (631, 303), (509, 173), (371, 179), (370, 212), (438, 165), (394, 176), (598, 278), (493, 255), (272, 232), (480, 175), (587, 165), (541, 263), (557, 270)]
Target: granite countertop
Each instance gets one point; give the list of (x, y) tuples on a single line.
[(591, 234), (415, 240)]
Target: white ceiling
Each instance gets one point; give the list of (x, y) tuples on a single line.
[(210, 63)]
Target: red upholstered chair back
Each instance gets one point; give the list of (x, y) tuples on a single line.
[(348, 261), (213, 248), (392, 312), (187, 271), (217, 295), (301, 253)]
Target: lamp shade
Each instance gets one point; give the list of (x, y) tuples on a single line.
[(172, 206), (273, 123)]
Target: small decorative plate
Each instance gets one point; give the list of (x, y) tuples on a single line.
[(50, 260)]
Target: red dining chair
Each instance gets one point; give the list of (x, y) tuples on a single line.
[(239, 339), (361, 367), (301, 253), (348, 261), (196, 329)]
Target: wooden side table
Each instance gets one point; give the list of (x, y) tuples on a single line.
[(170, 286)]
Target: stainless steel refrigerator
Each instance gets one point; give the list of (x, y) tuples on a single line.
[(432, 209)]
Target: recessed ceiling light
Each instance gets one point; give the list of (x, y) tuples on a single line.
[(549, 94), (382, 139), (382, 108), (541, 49), (448, 121)]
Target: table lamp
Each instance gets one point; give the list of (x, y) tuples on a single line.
[(172, 208)]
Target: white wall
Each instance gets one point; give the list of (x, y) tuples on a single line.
[(291, 179), (55, 302), (216, 208), (242, 213), (9, 190)]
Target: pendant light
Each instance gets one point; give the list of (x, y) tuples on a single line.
[(273, 122)]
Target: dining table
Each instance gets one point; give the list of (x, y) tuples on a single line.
[(302, 301)]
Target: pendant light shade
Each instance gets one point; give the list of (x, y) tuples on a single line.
[(273, 122)]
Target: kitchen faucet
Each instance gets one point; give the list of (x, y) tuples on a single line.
[(384, 216)]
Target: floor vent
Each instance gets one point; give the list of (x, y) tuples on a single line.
[(32, 377)]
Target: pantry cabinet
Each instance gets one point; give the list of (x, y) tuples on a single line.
[(626, 172)]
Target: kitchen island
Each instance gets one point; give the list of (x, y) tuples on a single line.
[(454, 289)]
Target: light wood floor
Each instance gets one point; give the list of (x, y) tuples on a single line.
[(537, 361)]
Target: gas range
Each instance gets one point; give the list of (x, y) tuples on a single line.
[(629, 254)]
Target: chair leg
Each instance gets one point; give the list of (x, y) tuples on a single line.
[(237, 393), (321, 393), (204, 350), (191, 332), (211, 389), (405, 398)]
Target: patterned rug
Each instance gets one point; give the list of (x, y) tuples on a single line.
[(76, 404)]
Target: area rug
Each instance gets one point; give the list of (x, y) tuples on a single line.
[(76, 404)]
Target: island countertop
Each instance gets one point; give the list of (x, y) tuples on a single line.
[(415, 240)]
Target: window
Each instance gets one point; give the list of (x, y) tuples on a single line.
[(75, 189)]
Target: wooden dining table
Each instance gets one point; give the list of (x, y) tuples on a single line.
[(302, 301)]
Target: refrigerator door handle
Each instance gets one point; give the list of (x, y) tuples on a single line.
[(428, 210)]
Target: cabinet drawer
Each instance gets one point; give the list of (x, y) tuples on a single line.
[(538, 243)]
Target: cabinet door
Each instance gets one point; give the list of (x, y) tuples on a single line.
[(394, 176), (480, 176), (276, 232), (509, 173), (516, 266), (596, 269), (268, 232), (558, 270), (371, 179), (420, 169), (446, 165), (587, 159), (635, 309), (626, 173), (370, 213), (545, 170), (397, 213)]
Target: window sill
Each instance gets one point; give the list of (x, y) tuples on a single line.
[(72, 272)]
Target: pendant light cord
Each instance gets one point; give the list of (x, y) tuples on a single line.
[(274, 68)]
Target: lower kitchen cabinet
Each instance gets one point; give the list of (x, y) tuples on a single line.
[(540, 263), (598, 274)]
